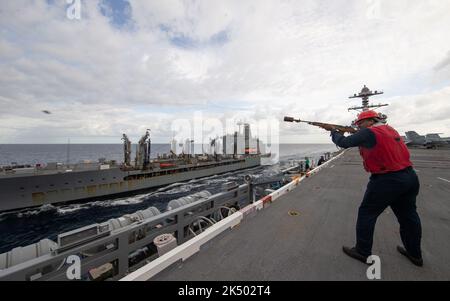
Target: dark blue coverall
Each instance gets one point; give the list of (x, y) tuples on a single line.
[(396, 189)]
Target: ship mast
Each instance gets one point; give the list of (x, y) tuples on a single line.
[(68, 152), (364, 95), (126, 150), (143, 151)]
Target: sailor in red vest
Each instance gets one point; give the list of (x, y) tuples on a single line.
[(393, 183)]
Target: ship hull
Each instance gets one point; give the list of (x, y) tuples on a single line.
[(18, 193)]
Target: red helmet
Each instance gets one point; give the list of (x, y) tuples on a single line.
[(367, 115)]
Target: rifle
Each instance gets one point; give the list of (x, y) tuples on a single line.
[(326, 126)]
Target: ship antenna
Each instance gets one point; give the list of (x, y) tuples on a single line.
[(149, 149), (68, 152), (364, 95)]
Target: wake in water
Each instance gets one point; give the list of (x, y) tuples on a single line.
[(30, 225), (164, 192)]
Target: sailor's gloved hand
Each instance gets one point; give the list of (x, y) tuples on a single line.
[(335, 132)]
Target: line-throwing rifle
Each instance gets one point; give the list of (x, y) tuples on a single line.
[(326, 126)]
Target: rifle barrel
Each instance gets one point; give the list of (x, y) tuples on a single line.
[(321, 124)]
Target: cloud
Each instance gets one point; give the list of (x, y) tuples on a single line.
[(423, 113), (130, 65), (444, 63)]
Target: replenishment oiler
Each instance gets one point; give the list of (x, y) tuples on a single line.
[(30, 186)]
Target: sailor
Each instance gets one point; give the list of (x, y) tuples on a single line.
[(321, 161), (307, 166), (393, 183)]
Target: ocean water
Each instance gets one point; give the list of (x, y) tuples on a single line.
[(44, 153), (31, 225)]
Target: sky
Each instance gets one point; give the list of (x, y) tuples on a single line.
[(107, 67)]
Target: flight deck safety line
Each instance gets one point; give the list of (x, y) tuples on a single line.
[(183, 251), (444, 180), (251, 210)]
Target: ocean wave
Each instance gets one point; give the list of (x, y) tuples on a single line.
[(194, 181), (184, 188), (170, 186), (39, 210), (228, 179), (133, 200), (6, 214), (71, 208), (124, 202)]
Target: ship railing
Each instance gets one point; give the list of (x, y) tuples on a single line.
[(113, 249)]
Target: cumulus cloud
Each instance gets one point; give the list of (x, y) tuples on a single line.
[(140, 64)]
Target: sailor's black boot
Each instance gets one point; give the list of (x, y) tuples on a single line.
[(354, 254), (416, 261)]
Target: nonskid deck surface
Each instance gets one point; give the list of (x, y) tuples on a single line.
[(276, 246)]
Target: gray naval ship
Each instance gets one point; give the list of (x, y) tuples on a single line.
[(29, 186)]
